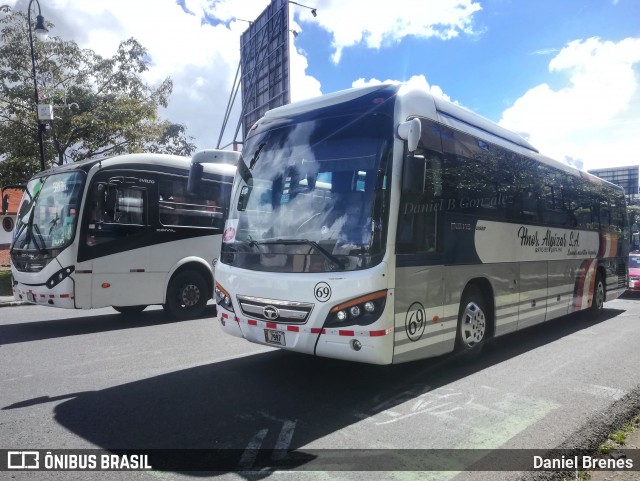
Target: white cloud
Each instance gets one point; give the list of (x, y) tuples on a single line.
[(417, 81), (375, 24), (202, 58), (595, 117)]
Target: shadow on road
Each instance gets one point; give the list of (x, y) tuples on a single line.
[(75, 326), (231, 403)]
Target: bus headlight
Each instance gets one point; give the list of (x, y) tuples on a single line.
[(223, 299), (361, 311)]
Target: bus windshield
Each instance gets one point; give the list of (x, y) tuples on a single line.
[(49, 212), (312, 196)]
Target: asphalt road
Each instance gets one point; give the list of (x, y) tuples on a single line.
[(96, 379)]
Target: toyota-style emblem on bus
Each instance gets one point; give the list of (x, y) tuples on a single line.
[(270, 312)]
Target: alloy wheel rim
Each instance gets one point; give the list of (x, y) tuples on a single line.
[(189, 295), (474, 325)]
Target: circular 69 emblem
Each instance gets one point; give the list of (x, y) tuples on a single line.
[(322, 291), (415, 321)]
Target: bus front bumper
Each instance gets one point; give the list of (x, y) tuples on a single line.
[(355, 343), (59, 296)]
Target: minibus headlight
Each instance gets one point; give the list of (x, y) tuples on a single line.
[(223, 299), (361, 311)]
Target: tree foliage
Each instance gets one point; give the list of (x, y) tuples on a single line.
[(102, 106)]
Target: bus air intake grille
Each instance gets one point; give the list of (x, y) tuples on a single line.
[(284, 312), (622, 276)]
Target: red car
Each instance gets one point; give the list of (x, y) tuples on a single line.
[(634, 272)]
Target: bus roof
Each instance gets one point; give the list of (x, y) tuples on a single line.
[(151, 159), (418, 102)]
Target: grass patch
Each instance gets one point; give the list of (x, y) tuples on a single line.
[(5, 283), (619, 438)]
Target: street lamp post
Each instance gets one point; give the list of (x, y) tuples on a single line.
[(313, 10), (40, 29)]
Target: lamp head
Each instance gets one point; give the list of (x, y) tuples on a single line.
[(40, 30), (313, 12)]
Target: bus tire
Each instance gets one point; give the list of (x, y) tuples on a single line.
[(128, 310), (186, 295), (599, 295), (473, 322)]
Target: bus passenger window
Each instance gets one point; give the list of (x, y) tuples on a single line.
[(115, 212), (420, 204)]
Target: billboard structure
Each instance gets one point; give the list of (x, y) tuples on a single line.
[(264, 67), (264, 63)]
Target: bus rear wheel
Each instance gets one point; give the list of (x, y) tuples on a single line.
[(128, 310), (473, 322), (186, 295), (599, 295)]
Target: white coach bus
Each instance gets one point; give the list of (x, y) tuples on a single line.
[(385, 225), (122, 232)]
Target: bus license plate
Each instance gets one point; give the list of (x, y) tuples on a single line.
[(274, 337), (31, 297)]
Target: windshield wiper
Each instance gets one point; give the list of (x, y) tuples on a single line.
[(36, 229), (256, 156), (323, 252)]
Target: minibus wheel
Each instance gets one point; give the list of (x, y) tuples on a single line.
[(186, 295), (473, 321)]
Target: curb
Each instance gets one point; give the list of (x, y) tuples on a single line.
[(13, 303)]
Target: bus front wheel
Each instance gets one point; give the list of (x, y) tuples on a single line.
[(186, 295), (473, 323)]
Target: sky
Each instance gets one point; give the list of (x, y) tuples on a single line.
[(565, 74)]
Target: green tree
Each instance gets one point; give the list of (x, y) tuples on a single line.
[(102, 106)]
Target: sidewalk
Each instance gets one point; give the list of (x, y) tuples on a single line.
[(7, 301)]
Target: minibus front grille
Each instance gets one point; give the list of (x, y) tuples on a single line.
[(284, 312)]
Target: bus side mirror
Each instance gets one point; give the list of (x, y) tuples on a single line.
[(195, 176), (411, 130)]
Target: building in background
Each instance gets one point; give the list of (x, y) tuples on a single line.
[(10, 201), (625, 177)]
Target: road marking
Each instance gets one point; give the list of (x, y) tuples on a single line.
[(284, 440), (281, 448), (602, 391), (251, 451)]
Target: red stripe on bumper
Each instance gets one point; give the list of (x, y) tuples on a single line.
[(382, 332)]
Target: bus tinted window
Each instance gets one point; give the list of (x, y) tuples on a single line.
[(116, 211), (205, 208), (480, 178)]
